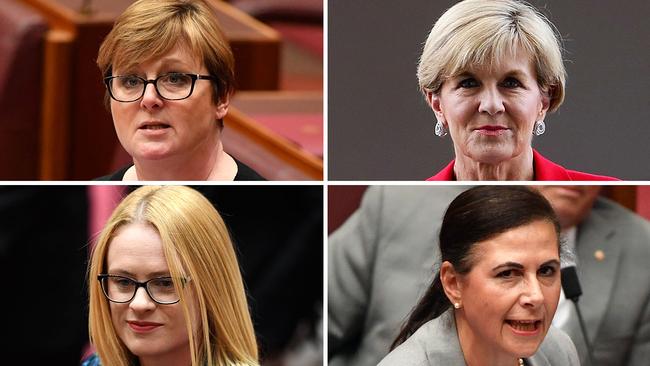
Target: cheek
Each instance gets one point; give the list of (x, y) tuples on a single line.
[(552, 297), (122, 114)]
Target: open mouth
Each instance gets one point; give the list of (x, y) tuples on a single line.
[(525, 326), (154, 127)]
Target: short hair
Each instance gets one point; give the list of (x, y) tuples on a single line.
[(150, 28), (484, 32), (197, 245), (476, 215)]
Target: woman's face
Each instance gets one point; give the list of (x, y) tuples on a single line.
[(490, 112), (148, 329), (510, 295), (152, 128)]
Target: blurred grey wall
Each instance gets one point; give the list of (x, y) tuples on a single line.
[(380, 127)]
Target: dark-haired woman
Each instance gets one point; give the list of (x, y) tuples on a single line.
[(496, 292)]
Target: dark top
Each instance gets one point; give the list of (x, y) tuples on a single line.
[(244, 172)]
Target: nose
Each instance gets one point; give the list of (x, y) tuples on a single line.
[(151, 99), (531, 295), (141, 301), (491, 101)]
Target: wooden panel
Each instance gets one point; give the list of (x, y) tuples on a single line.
[(643, 201), (342, 202), (269, 154), (623, 195), (56, 105)]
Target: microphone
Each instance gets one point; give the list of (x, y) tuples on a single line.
[(573, 291)]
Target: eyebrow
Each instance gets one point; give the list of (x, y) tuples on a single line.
[(516, 265), (172, 61), (126, 273), (518, 73)]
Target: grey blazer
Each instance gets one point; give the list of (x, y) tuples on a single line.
[(380, 263), (436, 344)]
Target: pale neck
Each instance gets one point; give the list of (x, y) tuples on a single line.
[(476, 351), (519, 167), (176, 357)]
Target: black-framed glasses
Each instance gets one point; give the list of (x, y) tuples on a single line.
[(121, 289), (172, 86)]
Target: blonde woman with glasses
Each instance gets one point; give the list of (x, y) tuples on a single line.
[(165, 286)]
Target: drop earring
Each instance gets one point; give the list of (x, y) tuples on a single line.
[(539, 128), (440, 130)]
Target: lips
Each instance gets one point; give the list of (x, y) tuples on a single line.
[(143, 327), (525, 327), (153, 125), (491, 130)]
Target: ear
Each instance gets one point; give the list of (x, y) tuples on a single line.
[(451, 282), (434, 103), (222, 108), (545, 104)]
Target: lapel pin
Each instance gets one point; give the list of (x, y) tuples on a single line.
[(599, 255)]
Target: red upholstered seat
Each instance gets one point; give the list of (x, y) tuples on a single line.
[(22, 33)]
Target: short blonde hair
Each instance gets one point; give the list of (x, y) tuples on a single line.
[(151, 28), (484, 32), (197, 246)]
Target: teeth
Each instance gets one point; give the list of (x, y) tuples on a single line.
[(524, 325)]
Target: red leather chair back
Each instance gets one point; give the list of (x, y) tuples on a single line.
[(22, 33)]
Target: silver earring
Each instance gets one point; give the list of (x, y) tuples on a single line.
[(440, 130), (539, 128)]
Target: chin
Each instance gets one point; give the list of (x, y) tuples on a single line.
[(148, 153), (491, 155)]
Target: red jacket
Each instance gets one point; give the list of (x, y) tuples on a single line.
[(544, 169)]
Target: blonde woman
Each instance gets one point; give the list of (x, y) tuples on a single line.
[(165, 286), (169, 75), (491, 70)]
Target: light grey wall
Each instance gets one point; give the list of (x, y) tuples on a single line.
[(380, 127)]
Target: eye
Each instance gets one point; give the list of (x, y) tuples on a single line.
[(468, 83), (121, 282), (176, 79), (547, 271), (508, 273), (129, 81), (511, 83), (163, 284)]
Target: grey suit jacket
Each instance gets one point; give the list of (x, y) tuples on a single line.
[(380, 263), (436, 344)]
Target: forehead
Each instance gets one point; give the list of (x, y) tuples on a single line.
[(136, 249), (533, 243), (519, 62), (179, 56)]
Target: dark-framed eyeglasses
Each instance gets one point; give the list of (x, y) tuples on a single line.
[(171, 86), (121, 289)]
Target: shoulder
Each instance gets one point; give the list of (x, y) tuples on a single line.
[(116, 176), (435, 343), (244, 172), (548, 170), (556, 349), (92, 360), (627, 230), (446, 174), (576, 175)]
